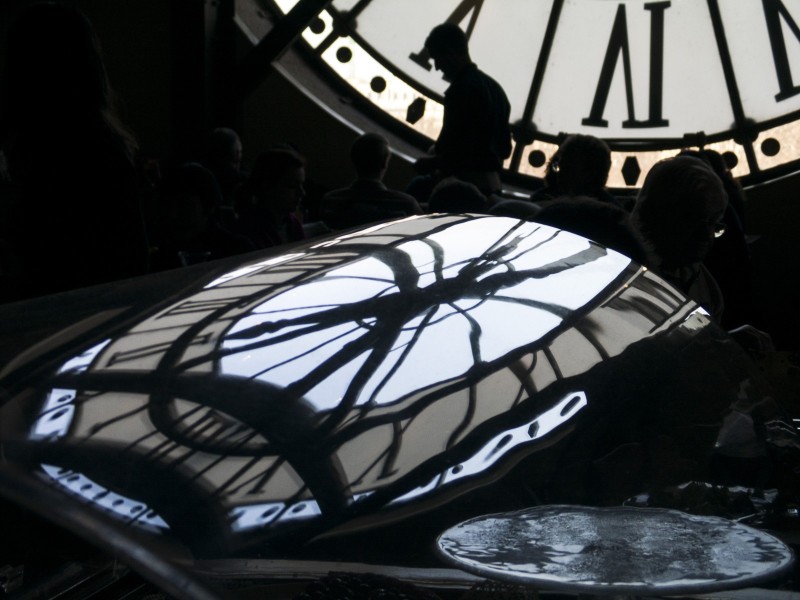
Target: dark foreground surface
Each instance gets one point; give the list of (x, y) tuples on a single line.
[(245, 428)]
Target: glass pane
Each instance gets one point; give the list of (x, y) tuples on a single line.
[(571, 80), (536, 153), (777, 146), (638, 163), (379, 85), (571, 88), (286, 5), (694, 99), (344, 5), (732, 152), (757, 74)]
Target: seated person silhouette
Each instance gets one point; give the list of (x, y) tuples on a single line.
[(517, 209), (729, 259), (602, 222), (579, 167), (189, 230), (225, 162), (679, 214), (475, 135), (367, 199), (452, 195), (269, 207)]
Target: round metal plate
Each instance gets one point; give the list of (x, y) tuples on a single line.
[(618, 550)]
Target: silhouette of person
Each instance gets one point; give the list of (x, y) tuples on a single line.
[(475, 135), (367, 199), (679, 213), (602, 222), (579, 167), (189, 228), (549, 188), (225, 162), (729, 259), (270, 203), (516, 209), (71, 195), (451, 195)]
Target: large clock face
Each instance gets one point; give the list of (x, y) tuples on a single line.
[(649, 77)]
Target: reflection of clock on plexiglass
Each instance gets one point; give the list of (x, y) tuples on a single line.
[(649, 77)]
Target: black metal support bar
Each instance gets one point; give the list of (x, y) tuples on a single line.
[(254, 67), (342, 22), (742, 127), (538, 77)]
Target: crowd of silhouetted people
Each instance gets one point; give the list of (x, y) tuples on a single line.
[(80, 206)]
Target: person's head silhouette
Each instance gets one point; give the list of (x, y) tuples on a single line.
[(679, 210), (582, 165), (370, 155), (448, 47), (277, 180)]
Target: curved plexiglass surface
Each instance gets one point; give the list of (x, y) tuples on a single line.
[(368, 378)]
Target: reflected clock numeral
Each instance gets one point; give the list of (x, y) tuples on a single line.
[(196, 306), (149, 350)]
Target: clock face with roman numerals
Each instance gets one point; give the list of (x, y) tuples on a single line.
[(649, 77)]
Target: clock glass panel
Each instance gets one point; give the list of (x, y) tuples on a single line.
[(649, 77)]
